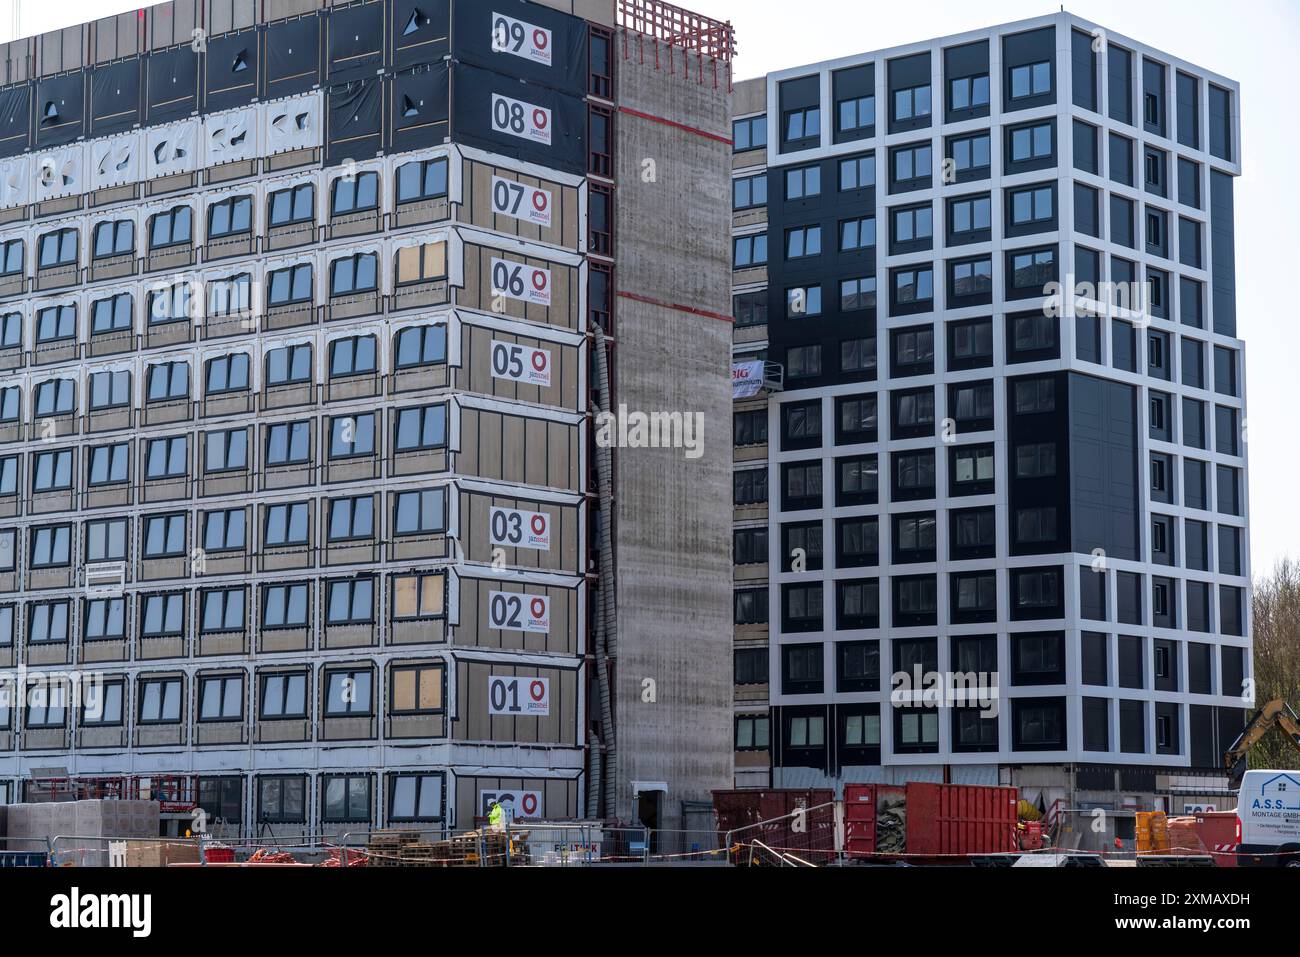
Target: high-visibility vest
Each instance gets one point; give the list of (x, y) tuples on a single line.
[(495, 815)]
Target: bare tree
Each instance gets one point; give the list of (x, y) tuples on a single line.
[(1277, 656)]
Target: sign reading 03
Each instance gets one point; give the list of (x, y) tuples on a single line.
[(519, 696), (516, 529)]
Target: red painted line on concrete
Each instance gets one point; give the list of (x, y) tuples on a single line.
[(677, 126), (677, 307)]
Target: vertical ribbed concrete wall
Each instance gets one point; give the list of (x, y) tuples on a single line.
[(673, 354)]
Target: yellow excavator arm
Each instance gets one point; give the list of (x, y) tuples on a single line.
[(1275, 714)]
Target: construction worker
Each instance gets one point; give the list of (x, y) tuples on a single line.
[(497, 817)]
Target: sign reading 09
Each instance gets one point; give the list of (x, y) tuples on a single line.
[(522, 39)]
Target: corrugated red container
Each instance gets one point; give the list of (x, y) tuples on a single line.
[(943, 820), (1210, 832), (764, 815)]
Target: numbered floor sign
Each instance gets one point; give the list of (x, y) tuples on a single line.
[(522, 364), (519, 696), (515, 529), (522, 39), (524, 120), (513, 612), (527, 203), (530, 284)]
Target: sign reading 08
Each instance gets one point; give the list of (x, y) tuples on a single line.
[(524, 120), (519, 696), (522, 39), (515, 529)]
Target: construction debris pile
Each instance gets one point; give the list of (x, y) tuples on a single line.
[(397, 848)]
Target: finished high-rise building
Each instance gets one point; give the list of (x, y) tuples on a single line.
[(990, 473)]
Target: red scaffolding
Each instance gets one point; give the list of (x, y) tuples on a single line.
[(699, 42)]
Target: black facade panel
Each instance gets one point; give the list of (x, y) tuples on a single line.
[(172, 91), (231, 70), (969, 59), (1204, 740), (1026, 49), (293, 57), (1104, 467), (418, 102), (828, 209), (473, 93), (1083, 63), (1046, 492), (15, 119), (354, 124), (60, 109), (115, 97), (354, 41), (419, 32), (1223, 254), (476, 26)]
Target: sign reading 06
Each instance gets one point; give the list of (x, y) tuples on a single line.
[(522, 39), (530, 284), (516, 529), (519, 696), (508, 611)]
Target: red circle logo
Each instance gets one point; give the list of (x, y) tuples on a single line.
[(539, 280), (540, 39), (539, 524), (537, 607), (540, 202), (529, 804), (539, 361), (537, 690), (541, 118)]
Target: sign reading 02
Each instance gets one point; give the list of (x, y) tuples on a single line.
[(508, 611), (519, 696)]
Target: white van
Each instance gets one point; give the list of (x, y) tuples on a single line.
[(1268, 816)]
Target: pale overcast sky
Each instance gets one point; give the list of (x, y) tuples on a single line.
[(1251, 41)]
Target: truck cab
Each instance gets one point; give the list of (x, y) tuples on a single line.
[(1268, 815)]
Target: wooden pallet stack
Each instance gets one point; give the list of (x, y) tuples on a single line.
[(473, 849)]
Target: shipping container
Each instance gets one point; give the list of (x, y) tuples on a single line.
[(942, 823), (1211, 832), (762, 816)]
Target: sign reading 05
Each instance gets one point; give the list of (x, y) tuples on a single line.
[(517, 363), (519, 696), (508, 611), (516, 529)]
